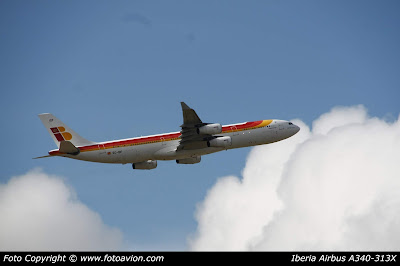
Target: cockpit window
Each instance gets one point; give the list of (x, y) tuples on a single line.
[(290, 123)]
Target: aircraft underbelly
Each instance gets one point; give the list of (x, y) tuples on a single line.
[(170, 152)]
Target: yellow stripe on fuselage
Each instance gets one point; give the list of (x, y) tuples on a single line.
[(265, 123)]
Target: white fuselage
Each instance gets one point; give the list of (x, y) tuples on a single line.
[(165, 146)]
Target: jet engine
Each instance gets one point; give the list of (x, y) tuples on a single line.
[(191, 160), (222, 142), (150, 164), (210, 129)]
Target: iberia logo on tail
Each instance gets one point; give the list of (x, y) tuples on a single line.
[(60, 134)]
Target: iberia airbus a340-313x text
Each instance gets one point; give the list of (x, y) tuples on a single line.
[(186, 147)]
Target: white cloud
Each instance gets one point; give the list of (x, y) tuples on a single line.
[(40, 212), (333, 188)]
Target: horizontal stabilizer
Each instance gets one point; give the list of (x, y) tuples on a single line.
[(43, 156), (68, 147)]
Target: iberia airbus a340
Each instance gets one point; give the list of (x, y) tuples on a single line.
[(186, 147)]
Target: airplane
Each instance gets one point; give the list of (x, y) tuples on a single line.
[(194, 140)]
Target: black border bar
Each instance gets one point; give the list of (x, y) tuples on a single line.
[(189, 258)]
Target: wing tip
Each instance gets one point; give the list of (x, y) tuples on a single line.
[(184, 106), (43, 114)]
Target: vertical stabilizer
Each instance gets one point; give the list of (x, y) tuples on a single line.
[(61, 132)]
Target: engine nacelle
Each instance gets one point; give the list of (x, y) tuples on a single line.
[(150, 164), (221, 142), (191, 160), (210, 129)]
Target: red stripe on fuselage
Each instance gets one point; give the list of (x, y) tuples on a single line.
[(246, 125)]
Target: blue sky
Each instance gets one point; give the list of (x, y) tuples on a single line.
[(119, 69)]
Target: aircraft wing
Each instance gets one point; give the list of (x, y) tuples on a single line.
[(190, 139), (190, 118)]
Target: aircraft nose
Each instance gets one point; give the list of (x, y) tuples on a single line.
[(296, 129)]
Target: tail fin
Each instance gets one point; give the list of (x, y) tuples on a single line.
[(61, 132)]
